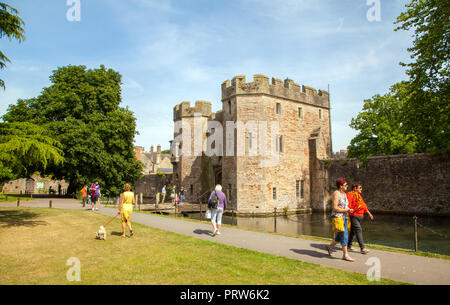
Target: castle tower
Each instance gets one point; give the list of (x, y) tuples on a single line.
[(188, 146), (293, 115)]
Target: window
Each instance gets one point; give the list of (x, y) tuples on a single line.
[(274, 193), (278, 108), (229, 107), (229, 192), (320, 113), (249, 140), (302, 189), (279, 144), (300, 114), (192, 190)]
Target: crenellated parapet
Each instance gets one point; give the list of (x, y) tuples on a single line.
[(286, 89), (183, 110)]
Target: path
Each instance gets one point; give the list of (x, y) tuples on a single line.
[(401, 267)]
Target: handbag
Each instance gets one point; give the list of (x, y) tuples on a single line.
[(208, 214), (338, 224)]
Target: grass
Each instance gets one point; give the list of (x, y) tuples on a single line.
[(13, 198), (37, 242)]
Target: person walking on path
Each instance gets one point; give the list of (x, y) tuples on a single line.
[(216, 214), (356, 202), (340, 209), (95, 195), (163, 192), (127, 201), (84, 194)]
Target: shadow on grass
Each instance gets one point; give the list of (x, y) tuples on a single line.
[(15, 218)]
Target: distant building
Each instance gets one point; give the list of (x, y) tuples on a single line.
[(154, 162)]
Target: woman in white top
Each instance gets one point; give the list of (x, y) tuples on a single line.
[(340, 209)]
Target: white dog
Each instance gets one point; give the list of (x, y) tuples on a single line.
[(101, 234)]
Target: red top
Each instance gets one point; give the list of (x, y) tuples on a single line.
[(356, 202)]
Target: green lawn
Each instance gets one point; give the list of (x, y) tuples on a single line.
[(13, 198), (37, 242)]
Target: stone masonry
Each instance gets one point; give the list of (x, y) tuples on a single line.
[(267, 129)]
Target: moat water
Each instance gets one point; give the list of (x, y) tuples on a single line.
[(388, 230)]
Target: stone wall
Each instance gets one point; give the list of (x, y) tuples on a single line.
[(150, 185), (35, 185), (404, 184)]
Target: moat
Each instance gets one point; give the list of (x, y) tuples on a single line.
[(388, 230)]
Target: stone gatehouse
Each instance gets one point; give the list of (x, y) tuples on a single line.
[(260, 143)]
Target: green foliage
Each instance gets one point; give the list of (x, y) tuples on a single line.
[(26, 148), (431, 47), (381, 128), (414, 115), (167, 152), (427, 108), (81, 110), (11, 26)]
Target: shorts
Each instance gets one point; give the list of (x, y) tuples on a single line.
[(342, 237), (217, 213), (94, 199)]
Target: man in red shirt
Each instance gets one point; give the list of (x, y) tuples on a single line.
[(356, 202)]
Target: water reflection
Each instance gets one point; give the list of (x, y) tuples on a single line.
[(389, 230)]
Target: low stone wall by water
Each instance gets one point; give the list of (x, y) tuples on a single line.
[(407, 184)]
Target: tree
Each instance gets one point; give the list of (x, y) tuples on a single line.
[(11, 26), (414, 115), (24, 149), (427, 108), (381, 128), (81, 110)]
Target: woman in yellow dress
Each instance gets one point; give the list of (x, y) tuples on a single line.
[(127, 202)]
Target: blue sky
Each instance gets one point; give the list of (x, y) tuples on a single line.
[(169, 51)]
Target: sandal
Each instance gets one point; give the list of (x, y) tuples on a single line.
[(131, 233), (364, 251), (348, 259)]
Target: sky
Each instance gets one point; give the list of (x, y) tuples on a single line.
[(170, 51)]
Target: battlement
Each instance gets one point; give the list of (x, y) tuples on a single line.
[(183, 110), (286, 89)]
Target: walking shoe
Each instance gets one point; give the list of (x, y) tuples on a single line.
[(214, 233), (364, 251), (131, 233), (218, 233)]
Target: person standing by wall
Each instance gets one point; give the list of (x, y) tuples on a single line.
[(182, 194), (127, 201), (163, 192), (173, 194), (340, 209), (216, 213), (356, 202)]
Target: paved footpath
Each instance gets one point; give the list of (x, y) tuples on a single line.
[(401, 267)]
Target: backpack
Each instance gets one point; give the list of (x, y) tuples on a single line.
[(213, 202)]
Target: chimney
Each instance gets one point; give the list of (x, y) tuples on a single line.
[(158, 154)]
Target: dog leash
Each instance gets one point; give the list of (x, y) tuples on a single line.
[(112, 219)]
